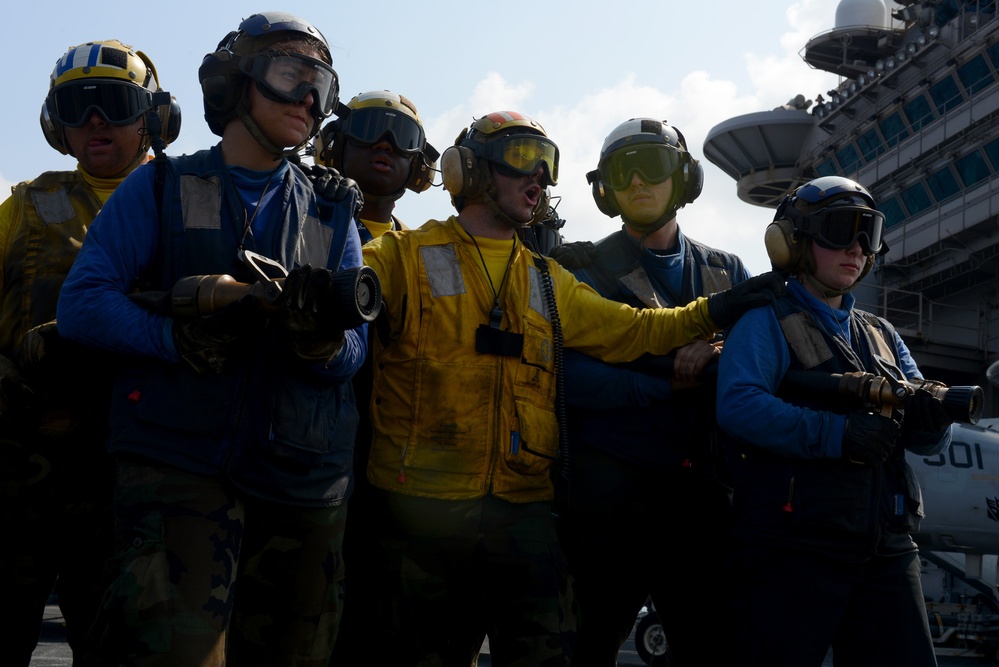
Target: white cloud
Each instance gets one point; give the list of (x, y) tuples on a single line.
[(694, 100), (586, 73)]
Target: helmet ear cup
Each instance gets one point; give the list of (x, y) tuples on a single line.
[(783, 246), (170, 121), (693, 173), (422, 175), (53, 131), (221, 87), (460, 172), (605, 204), (214, 73), (329, 145), (424, 165), (693, 180)]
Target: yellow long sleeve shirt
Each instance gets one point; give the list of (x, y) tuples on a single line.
[(452, 422)]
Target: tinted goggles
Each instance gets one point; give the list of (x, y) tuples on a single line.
[(523, 153), (368, 126), (653, 163), (290, 77), (119, 103), (839, 228)]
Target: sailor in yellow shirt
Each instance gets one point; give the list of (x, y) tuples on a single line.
[(378, 140), (464, 417), (55, 513)]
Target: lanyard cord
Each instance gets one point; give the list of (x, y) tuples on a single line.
[(248, 219), (496, 315)]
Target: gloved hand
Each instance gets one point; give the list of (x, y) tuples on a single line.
[(63, 372), (309, 313), (35, 344), (574, 255), (869, 438), (207, 343), (54, 365), (728, 306), (16, 396), (332, 186), (924, 412)]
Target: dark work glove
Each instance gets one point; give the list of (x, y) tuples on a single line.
[(37, 343), (924, 412), (728, 306), (207, 343), (575, 255), (332, 186), (16, 396), (59, 368), (869, 438), (309, 313)]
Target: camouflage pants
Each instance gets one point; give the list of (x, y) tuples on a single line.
[(459, 570), (208, 576)]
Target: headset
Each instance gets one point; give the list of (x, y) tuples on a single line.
[(329, 144), (223, 82), (788, 248), (462, 173), (784, 247), (688, 179), (169, 114), (165, 106)]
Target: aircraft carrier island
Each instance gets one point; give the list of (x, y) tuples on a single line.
[(915, 119)]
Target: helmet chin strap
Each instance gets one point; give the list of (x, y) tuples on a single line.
[(139, 158), (488, 199), (826, 290), (394, 196), (500, 215), (379, 200), (650, 228), (243, 111), (659, 222)]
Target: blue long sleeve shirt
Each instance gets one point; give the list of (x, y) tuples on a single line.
[(94, 307), (279, 427), (752, 367), (630, 411)]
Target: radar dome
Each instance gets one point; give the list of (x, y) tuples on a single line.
[(862, 12)]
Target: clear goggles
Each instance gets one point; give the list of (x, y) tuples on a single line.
[(72, 104), (523, 153), (838, 228), (289, 78), (369, 125), (653, 163)]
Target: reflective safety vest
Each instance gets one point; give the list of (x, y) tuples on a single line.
[(46, 220), (460, 409), (680, 431), (830, 506), (50, 218), (276, 431)]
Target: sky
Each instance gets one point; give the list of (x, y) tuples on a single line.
[(577, 66)]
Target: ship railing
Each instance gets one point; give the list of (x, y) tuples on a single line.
[(918, 318), (972, 15)]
